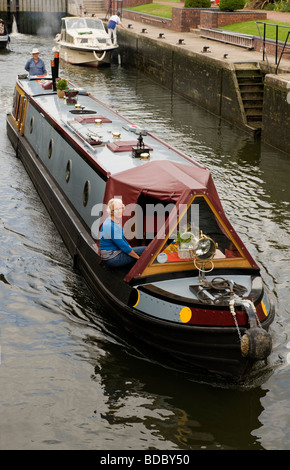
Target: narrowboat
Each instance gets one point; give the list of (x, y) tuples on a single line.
[(83, 40), (195, 296)]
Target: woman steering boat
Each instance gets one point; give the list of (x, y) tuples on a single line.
[(115, 250)]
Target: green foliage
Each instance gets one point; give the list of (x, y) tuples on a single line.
[(183, 238), (155, 9), (269, 7), (197, 3), (250, 27), (283, 6), (62, 84), (231, 5)]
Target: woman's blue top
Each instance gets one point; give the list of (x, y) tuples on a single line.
[(112, 237)]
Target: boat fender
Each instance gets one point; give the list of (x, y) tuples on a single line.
[(256, 344), (99, 58)]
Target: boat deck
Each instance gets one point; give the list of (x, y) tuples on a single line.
[(109, 142)]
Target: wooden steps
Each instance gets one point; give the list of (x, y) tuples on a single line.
[(95, 7), (251, 86)]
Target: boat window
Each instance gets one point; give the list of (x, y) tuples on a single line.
[(86, 193), (68, 170), (95, 24), (176, 251), (148, 219), (22, 108), (31, 125), (76, 23), (199, 219), (22, 114), (81, 23), (16, 102), (18, 108), (50, 147)]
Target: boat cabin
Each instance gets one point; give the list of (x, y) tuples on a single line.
[(83, 31), (169, 207)]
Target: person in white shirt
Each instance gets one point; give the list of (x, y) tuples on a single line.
[(114, 21)]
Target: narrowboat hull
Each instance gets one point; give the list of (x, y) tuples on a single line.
[(142, 312)]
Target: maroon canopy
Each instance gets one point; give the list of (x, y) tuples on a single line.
[(163, 180)]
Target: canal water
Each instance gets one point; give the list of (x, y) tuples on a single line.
[(68, 378)]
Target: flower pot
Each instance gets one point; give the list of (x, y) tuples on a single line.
[(60, 93), (71, 96)]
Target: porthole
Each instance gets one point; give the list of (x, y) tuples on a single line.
[(86, 193), (50, 147), (31, 124), (68, 171)]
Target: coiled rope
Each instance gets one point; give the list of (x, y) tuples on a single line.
[(222, 285)]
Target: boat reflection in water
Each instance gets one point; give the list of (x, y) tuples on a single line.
[(84, 41), (195, 296)]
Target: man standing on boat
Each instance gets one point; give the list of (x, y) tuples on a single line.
[(35, 65), (114, 20)]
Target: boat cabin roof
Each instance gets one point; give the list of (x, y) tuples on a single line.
[(163, 181), (118, 135)]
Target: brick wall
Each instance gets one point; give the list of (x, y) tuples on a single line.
[(135, 3), (215, 18), (184, 19), (270, 47), (147, 19), (115, 4)]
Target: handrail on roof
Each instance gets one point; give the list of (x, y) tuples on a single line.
[(264, 41)]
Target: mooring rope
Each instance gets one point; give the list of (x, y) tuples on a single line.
[(219, 283)]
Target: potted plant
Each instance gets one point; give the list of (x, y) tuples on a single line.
[(61, 86), (185, 244)]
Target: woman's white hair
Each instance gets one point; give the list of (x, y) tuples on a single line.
[(110, 205)]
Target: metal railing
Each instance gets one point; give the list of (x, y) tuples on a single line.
[(228, 37), (285, 48)]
